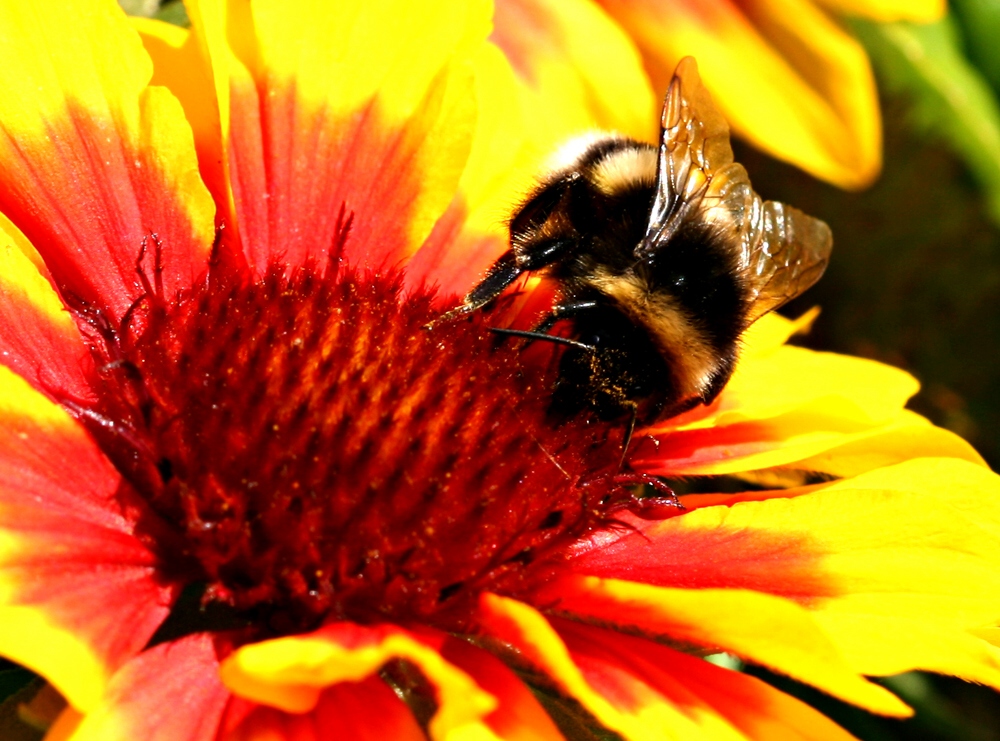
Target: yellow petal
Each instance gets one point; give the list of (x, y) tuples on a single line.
[(290, 673), (799, 440), (644, 715), (579, 70), (773, 379), (787, 77), (909, 436), (518, 716), (38, 338), (794, 377), (360, 711), (649, 681), (916, 544), (882, 646), (169, 692), (929, 544), (642, 689), (792, 407), (501, 168), (79, 594), (376, 100), (92, 160), (761, 628), (772, 331), (180, 66)]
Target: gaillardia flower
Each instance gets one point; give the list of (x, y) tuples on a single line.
[(787, 76), (245, 493)]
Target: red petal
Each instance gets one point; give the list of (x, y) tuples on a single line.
[(332, 107), (363, 711), (38, 338), (640, 689), (761, 628), (682, 553), (519, 716), (640, 675), (171, 692), (80, 593), (91, 159), (292, 673)]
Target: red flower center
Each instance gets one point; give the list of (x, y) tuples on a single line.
[(305, 447)]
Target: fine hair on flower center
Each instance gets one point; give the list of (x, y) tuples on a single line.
[(301, 444)]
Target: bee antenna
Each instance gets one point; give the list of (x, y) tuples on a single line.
[(532, 335)]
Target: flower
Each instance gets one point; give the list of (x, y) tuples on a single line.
[(244, 492), (789, 79)]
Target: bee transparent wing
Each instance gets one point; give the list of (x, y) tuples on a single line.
[(694, 146), (783, 253), (779, 251)]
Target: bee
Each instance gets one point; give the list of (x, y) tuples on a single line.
[(663, 257)]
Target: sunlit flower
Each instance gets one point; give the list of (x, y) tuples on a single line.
[(787, 75), (245, 493)]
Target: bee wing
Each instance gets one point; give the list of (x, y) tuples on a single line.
[(779, 251), (694, 144), (783, 253)]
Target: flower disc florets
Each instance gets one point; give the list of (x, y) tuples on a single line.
[(306, 446)]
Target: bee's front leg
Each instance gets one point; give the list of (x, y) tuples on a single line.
[(500, 275)]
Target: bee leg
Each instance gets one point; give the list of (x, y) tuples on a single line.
[(500, 275), (658, 507), (505, 271)]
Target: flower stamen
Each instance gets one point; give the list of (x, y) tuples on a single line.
[(318, 452)]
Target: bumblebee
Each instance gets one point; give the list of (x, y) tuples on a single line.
[(663, 256)]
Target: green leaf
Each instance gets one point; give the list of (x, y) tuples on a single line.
[(144, 8), (979, 21), (949, 98), (173, 11)]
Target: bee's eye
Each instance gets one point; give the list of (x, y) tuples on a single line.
[(537, 210)]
